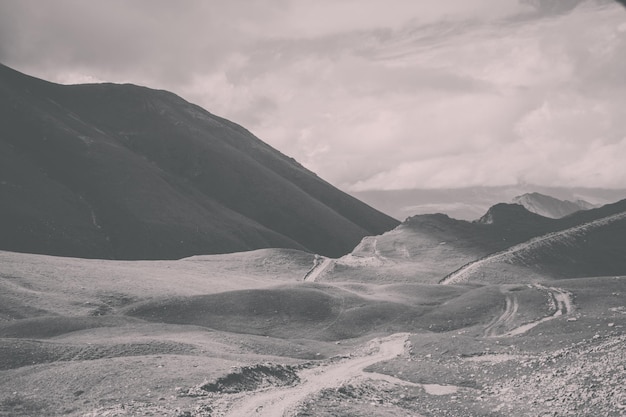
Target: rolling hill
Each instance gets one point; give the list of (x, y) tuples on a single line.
[(127, 172)]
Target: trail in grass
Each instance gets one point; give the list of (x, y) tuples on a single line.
[(282, 401)]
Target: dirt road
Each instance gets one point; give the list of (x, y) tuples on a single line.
[(282, 401), (504, 319), (562, 305)]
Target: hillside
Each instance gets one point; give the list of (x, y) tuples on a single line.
[(587, 243), (428, 248), (127, 172)]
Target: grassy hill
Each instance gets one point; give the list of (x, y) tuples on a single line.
[(126, 172)]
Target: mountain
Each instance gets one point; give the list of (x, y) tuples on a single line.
[(425, 248), (128, 172), (547, 206), (507, 244)]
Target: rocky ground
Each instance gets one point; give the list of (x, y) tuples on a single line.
[(583, 379), (493, 378)]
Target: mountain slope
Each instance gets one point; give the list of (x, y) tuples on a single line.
[(431, 248), (547, 206), (588, 244), (126, 172)]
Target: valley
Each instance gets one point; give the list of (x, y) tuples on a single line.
[(277, 332)]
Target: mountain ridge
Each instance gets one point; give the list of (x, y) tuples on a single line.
[(549, 206), (470, 203)]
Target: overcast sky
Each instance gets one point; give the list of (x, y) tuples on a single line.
[(369, 94)]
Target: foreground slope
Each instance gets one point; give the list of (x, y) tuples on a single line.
[(245, 333), (278, 331), (126, 172)]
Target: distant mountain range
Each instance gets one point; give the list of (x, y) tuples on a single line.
[(127, 172), (471, 203)]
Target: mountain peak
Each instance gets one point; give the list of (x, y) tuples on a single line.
[(551, 207), (503, 213)]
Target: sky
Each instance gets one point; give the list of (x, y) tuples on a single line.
[(369, 94)]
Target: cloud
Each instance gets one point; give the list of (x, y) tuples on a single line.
[(369, 94), (542, 91), (319, 18)]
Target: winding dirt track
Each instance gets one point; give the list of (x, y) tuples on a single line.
[(282, 401), (504, 319), (562, 303)]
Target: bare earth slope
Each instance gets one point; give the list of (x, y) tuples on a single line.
[(126, 172)]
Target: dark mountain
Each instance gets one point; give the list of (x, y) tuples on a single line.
[(547, 206), (127, 172)]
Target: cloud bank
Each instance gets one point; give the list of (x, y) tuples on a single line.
[(369, 94)]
